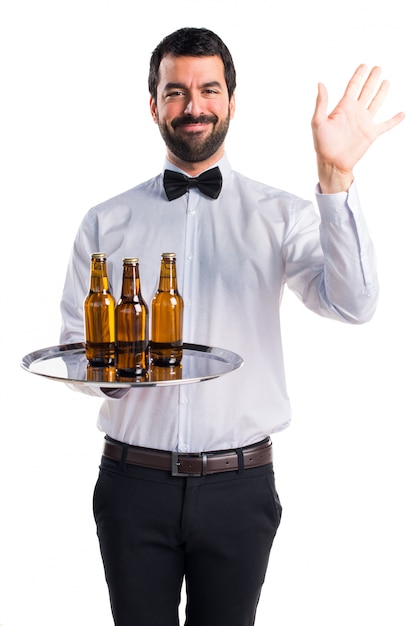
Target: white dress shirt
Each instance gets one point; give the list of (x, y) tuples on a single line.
[(235, 254)]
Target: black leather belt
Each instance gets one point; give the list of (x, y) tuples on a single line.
[(199, 464)]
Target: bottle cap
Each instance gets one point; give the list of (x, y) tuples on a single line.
[(168, 255), (98, 255), (131, 260)]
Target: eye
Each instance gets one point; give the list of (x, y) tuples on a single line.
[(174, 94)]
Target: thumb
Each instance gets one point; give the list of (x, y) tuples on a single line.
[(321, 104)]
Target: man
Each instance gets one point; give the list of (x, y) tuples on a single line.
[(186, 487)]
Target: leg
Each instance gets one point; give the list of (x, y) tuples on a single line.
[(232, 522), (137, 518)]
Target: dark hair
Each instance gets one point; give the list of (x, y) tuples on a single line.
[(194, 42)]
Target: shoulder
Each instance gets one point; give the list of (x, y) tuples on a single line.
[(263, 194), (124, 205), (130, 197)]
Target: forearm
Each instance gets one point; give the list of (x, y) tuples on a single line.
[(350, 281)]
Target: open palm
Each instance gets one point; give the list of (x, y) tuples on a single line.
[(342, 137)]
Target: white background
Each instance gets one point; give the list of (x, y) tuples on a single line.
[(76, 130)]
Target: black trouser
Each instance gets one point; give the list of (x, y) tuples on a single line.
[(215, 531)]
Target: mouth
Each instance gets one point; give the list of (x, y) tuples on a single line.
[(192, 128), (194, 125)]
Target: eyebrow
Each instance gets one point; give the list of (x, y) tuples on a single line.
[(213, 83)]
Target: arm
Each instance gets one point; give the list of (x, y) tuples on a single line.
[(335, 274), (345, 286), (344, 136)]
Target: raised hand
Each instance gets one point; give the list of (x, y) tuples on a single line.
[(342, 137)]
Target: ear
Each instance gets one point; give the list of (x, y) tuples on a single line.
[(232, 106), (153, 109)]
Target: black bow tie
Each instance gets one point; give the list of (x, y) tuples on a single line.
[(209, 183)]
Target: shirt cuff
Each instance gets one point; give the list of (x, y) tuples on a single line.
[(337, 206)]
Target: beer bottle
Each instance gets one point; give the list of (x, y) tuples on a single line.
[(131, 323), (166, 345), (99, 315)]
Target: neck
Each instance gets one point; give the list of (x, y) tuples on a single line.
[(195, 168)]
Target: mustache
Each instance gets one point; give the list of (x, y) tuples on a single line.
[(186, 120)]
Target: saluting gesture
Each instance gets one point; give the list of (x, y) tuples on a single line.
[(342, 137)]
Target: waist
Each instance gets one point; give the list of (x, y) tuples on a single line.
[(194, 464)]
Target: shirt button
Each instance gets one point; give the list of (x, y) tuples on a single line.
[(185, 400)]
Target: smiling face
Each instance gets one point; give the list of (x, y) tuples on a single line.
[(193, 110)]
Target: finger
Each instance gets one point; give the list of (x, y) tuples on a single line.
[(377, 101), (369, 86), (383, 127), (354, 84), (321, 103)]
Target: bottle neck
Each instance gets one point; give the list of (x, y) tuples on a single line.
[(168, 276), (99, 282), (130, 281)]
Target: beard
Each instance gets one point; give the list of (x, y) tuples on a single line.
[(192, 148)]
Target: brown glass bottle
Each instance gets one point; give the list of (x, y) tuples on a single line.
[(99, 315), (166, 345), (131, 323)]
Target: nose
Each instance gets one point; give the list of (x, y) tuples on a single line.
[(193, 106)]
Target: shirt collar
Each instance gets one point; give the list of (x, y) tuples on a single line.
[(223, 165)]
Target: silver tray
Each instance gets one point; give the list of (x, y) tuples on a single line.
[(67, 363)]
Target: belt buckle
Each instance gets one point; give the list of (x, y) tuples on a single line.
[(175, 466)]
